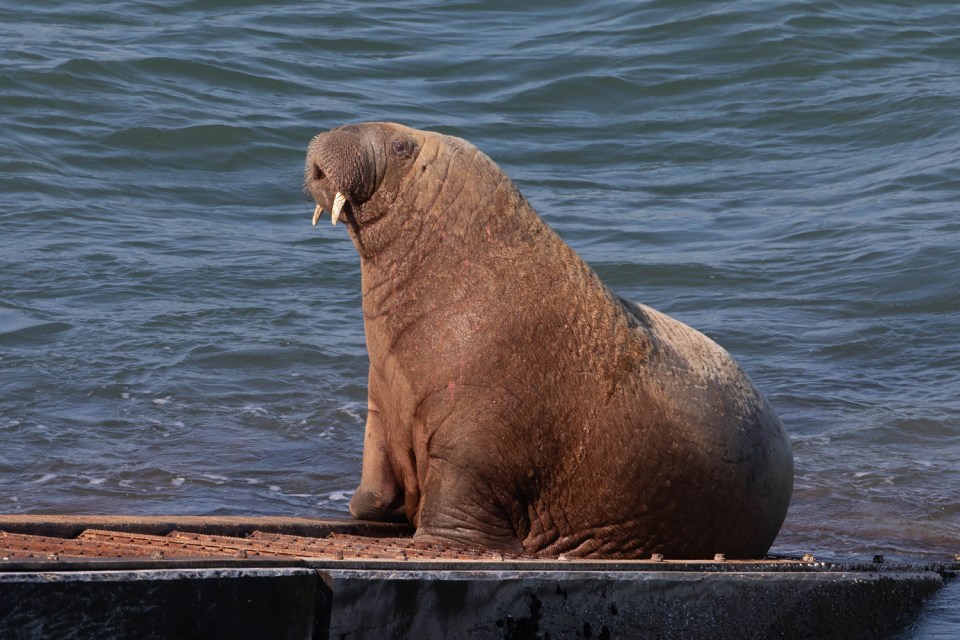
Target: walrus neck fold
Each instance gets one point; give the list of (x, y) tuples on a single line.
[(474, 212)]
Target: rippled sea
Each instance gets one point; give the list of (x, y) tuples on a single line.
[(784, 176)]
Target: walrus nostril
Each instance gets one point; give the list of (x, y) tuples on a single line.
[(318, 173)]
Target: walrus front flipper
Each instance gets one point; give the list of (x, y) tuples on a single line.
[(380, 496)]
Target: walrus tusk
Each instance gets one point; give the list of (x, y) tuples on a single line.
[(338, 203), (316, 214)]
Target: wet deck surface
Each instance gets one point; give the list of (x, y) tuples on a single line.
[(98, 543), (34, 540), (27, 541)]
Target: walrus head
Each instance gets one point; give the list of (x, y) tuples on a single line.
[(348, 166), (392, 184)]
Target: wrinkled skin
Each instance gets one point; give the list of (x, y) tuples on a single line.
[(514, 401)]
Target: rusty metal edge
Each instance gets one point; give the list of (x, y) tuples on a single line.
[(67, 564), (70, 526), (440, 567)]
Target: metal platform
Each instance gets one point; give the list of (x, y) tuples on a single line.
[(172, 577)]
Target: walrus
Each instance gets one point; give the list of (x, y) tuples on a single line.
[(516, 403)]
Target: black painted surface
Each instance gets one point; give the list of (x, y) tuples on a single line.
[(544, 605), (208, 603)]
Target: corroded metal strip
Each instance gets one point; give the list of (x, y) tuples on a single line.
[(70, 526), (95, 543), (341, 546), (338, 546), (194, 545), (336, 549), (18, 546)]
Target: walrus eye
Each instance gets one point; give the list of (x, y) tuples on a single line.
[(402, 148)]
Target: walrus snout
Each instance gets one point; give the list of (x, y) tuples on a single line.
[(342, 169), (325, 183)]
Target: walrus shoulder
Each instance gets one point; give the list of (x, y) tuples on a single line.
[(686, 349), (637, 316)]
